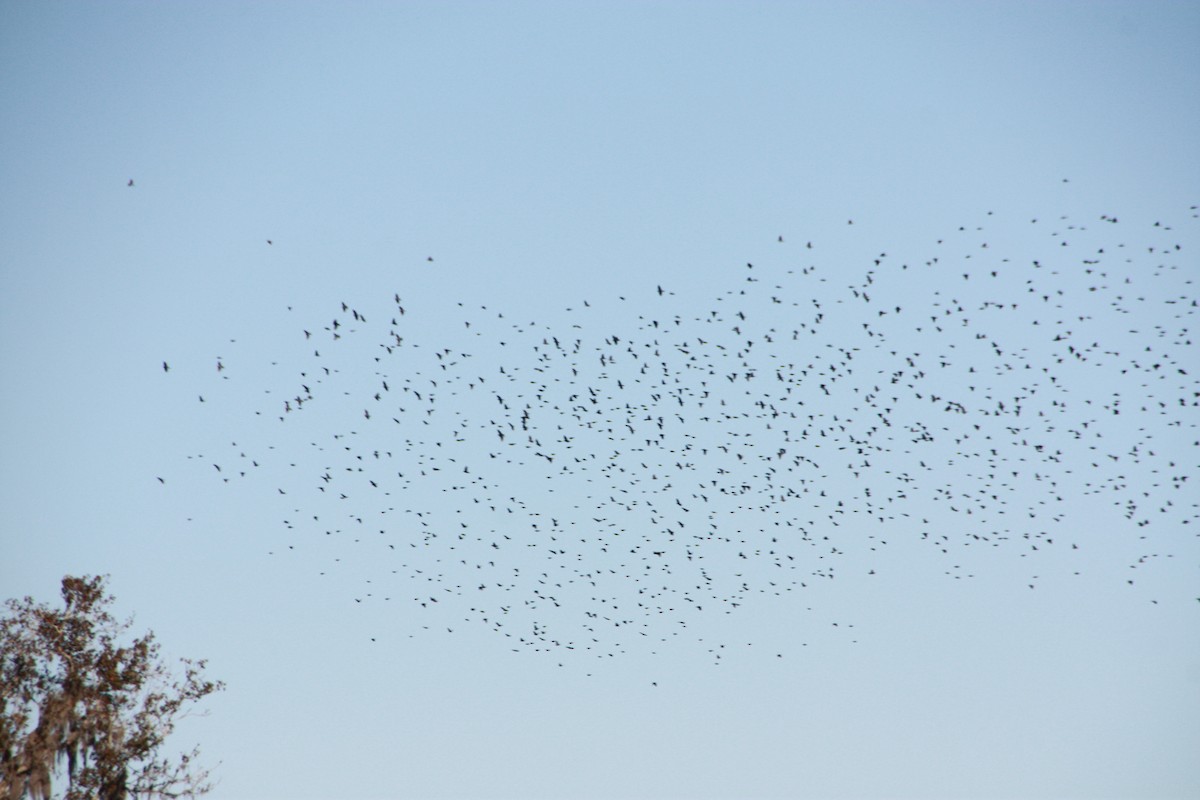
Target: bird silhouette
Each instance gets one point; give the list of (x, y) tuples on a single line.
[(601, 482)]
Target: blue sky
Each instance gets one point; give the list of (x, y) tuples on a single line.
[(544, 155)]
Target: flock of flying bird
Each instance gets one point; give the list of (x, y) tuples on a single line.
[(611, 478)]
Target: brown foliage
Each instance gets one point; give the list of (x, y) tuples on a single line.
[(70, 691)]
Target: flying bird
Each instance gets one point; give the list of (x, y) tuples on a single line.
[(625, 476)]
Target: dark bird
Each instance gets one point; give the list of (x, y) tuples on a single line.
[(731, 453)]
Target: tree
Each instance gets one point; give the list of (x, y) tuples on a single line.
[(69, 690)]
